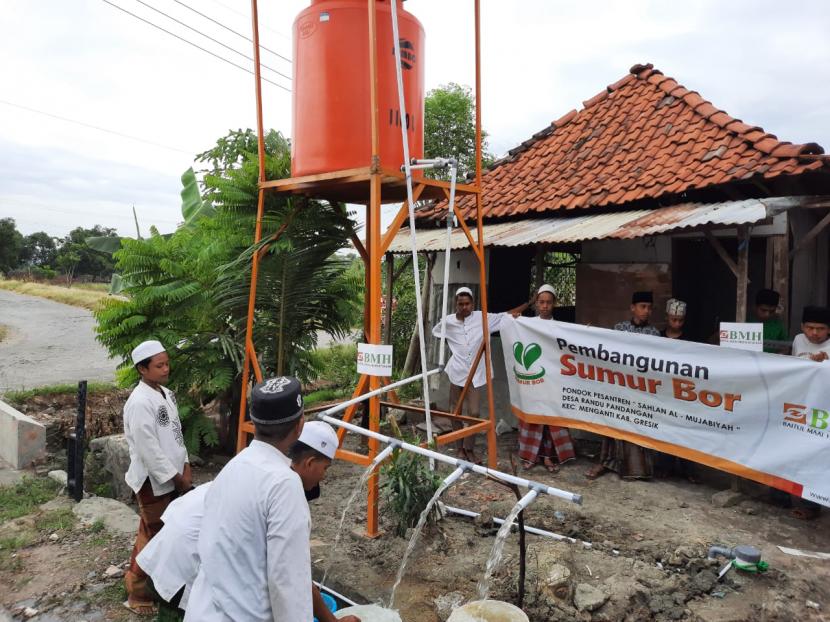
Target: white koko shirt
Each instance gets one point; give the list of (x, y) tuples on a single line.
[(803, 347), (464, 338), (154, 436), (171, 558), (254, 543)]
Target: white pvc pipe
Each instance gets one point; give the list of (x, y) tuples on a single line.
[(396, 44), (323, 588), (533, 530), (444, 310), (478, 468), (361, 398)]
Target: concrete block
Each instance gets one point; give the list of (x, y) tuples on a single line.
[(22, 439)]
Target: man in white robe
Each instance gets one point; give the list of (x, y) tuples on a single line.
[(254, 544)]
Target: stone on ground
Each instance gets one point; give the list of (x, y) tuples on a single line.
[(726, 498), (588, 598), (59, 476), (118, 517), (106, 464)]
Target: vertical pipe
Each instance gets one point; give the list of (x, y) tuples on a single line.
[(492, 458), (390, 295), (80, 443), (249, 326), (373, 84)]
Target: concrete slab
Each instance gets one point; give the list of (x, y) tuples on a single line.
[(10, 476), (22, 439)]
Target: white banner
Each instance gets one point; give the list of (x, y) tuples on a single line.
[(761, 416)]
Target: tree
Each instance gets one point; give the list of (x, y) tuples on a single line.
[(450, 128), (190, 289), (90, 261), (38, 250), (11, 242), (68, 260)]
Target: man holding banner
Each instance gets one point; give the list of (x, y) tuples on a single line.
[(626, 459), (464, 336)]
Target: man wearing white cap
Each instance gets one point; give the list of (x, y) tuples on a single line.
[(311, 457), (464, 334), (159, 470), (172, 558)]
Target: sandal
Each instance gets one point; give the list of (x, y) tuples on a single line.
[(595, 471), (527, 465), (141, 608), (551, 466)]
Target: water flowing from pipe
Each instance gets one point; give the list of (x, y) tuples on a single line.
[(416, 534), (360, 484), (498, 546)]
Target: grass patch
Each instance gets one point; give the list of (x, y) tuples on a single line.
[(56, 520), (9, 547), (97, 526), (322, 396), (4, 331), (19, 397), (23, 498), (114, 594), (75, 296)]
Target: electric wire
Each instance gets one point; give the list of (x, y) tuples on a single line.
[(199, 32), (93, 127), (229, 29), (199, 47)]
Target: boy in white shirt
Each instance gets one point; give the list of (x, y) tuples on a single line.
[(159, 469), (814, 341)]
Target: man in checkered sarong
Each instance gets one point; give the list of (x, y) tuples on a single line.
[(549, 443)]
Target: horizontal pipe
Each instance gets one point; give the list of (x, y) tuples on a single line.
[(533, 530), (482, 470), (360, 398), (328, 590)]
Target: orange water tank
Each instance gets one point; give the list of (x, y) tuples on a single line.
[(331, 116)]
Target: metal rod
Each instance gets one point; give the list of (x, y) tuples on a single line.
[(434, 455), (394, 385)]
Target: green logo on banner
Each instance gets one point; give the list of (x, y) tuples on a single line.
[(526, 356)]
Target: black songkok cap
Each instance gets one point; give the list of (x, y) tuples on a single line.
[(277, 400), (816, 315), (642, 297), (767, 297)]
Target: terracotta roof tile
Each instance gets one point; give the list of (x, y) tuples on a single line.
[(644, 136)]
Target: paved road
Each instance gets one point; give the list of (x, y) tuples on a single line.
[(48, 343)]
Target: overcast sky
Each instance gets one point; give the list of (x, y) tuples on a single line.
[(766, 62)]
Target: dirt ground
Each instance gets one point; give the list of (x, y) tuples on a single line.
[(647, 554), (648, 550)]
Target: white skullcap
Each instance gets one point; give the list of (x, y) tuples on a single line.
[(463, 290), (145, 350), (675, 307), (547, 288), (321, 436)]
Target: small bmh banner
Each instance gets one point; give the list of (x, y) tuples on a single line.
[(744, 336), (765, 417), (374, 360)]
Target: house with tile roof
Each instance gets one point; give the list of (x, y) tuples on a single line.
[(648, 186)]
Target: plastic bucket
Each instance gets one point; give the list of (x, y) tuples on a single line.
[(488, 611)]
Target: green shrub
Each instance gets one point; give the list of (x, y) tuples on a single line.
[(408, 485)]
